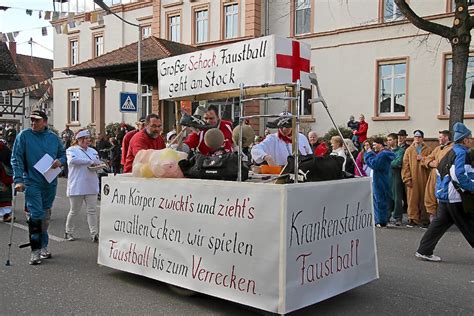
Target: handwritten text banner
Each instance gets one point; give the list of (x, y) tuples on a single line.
[(253, 63)]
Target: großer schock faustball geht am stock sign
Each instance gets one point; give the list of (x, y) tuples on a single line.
[(264, 60)]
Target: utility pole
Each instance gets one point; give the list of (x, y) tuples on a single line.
[(30, 41)]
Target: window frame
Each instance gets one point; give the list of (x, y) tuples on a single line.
[(449, 6), (392, 115), (172, 14), (295, 11), (148, 96), (303, 103), (94, 44), (194, 26), (225, 4), (147, 27), (69, 106), (443, 114), (8, 97), (70, 52), (382, 13), (234, 105), (293, 19)]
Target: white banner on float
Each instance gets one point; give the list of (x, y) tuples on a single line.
[(264, 60), (330, 240), (219, 240)]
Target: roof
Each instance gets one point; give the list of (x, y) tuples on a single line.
[(121, 64), (32, 70), (25, 72), (8, 78)]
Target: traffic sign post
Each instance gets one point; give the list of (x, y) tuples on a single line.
[(128, 102)]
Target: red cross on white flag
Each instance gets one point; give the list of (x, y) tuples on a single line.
[(292, 62)]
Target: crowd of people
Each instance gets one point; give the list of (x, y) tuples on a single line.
[(406, 177)]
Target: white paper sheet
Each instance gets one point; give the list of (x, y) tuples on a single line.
[(44, 167)]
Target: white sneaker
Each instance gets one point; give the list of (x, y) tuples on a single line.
[(45, 254), (35, 257), (427, 258)]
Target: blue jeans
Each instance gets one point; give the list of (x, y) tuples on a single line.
[(39, 201)]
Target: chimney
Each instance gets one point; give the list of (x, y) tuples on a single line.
[(156, 20), (13, 50)]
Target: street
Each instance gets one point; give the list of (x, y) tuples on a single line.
[(72, 282)]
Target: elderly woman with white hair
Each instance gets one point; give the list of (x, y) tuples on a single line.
[(83, 183)]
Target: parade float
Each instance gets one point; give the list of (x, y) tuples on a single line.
[(275, 247)]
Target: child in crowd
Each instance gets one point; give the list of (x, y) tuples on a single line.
[(354, 126)]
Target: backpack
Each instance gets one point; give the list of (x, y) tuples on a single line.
[(312, 168), (218, 167), (444, 167)]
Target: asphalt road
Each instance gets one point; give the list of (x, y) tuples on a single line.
[(73, 283)]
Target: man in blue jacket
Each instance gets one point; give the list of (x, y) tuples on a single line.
[(455, 173), (380, 162), (29, 147)]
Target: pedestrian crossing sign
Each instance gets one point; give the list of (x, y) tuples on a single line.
[(128, 102)]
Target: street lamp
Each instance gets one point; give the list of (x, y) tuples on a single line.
[(107, 9)]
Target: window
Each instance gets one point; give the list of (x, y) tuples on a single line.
[(73, 52), (453, 5), (229, 109), (146, 31), (469, 98), (174, 28), (202, 20), (302, 16), (73, 109), (146, 100), (231, 13), (305, 106), (391, 12), (392, 78), (98, 45), (5, 99)]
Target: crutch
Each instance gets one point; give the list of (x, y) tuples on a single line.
[(314, 81), (12, 222)]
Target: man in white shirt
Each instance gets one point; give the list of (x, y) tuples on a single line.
[(276, 147)]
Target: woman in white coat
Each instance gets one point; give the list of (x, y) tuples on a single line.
[(82, 183)]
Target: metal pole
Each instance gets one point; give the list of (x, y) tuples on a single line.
[(241, 104), (297, 147), (31, 47), (139, 88), (320, 98), (12, 223)]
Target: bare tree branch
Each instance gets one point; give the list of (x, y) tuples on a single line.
[(425, 25)]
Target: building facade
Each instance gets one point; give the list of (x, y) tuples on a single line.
[(369, 59), (75, 104)]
